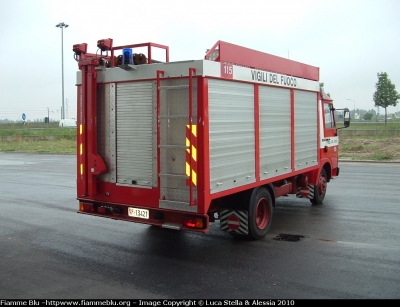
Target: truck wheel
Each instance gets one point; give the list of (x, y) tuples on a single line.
[(320, 189), (260, 213)]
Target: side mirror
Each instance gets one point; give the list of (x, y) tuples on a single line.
[(346, 116)]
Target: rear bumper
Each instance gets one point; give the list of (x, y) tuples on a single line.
[(170, 219)]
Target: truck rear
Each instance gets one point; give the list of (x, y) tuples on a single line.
[(182, 144)]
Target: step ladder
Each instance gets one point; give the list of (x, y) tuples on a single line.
[(176, 111)]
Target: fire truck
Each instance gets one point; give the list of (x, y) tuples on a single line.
[(183, 144)]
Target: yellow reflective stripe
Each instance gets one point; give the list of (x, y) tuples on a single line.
[(81, 147), (187, 144), (194, 153), (194, 129), (194, 177), (187, 169), (193, 150)]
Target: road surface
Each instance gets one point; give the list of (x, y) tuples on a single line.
[(347, 248)]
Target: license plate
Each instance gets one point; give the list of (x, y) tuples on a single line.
[(140, 213)]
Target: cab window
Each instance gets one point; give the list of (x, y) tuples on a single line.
[(329, 117)]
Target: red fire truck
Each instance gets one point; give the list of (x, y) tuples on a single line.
[(182, 144)]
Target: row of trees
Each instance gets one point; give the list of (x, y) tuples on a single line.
[(367, 115)]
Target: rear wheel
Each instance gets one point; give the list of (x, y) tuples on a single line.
[(320, 189), (260, 213)]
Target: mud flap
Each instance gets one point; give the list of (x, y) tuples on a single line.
[(235, 221), (305, 192)]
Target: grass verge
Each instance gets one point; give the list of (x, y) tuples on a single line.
[(59, 146)]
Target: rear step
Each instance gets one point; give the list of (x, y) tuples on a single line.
[(177, 205)]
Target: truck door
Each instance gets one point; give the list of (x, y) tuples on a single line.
[(330, 120), (330, 139)]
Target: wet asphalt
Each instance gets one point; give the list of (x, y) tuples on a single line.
[(347, 248)]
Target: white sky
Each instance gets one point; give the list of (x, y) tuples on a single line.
[(350, 41)]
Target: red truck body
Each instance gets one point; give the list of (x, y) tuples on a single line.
[(182, 144)]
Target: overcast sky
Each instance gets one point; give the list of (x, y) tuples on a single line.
[(350, 41)]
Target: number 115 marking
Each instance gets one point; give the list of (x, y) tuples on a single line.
[(226, 70)]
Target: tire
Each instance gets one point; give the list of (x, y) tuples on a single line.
[(320, 189), (260, 213)]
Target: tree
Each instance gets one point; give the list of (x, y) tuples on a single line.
[(386, 94), (368, 116)]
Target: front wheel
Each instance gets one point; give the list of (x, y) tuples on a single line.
[(260, 213), (320, 189)]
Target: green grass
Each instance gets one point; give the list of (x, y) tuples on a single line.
[(393, 124), (357, 147), (35, 129), (381, 157), (59, 146), (64, 142), (28, 125), (30, 132)]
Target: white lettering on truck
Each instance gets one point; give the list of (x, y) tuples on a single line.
[(262, 76)]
